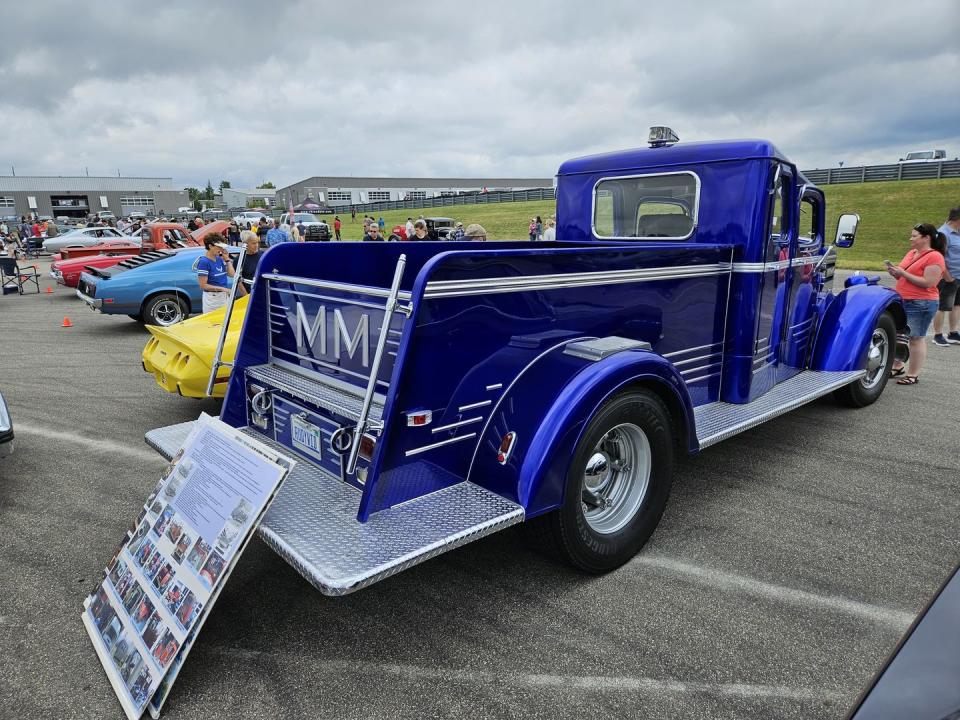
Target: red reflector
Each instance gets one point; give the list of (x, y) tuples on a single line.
[(108, 300), (419, 420)]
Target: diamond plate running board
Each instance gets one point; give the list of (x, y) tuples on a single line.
[(720, 420), (312, 523)]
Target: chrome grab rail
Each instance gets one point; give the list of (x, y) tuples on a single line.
[(362, 421), (345, 287), (217, 362)]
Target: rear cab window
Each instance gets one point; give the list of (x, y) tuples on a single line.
[(660, 206)]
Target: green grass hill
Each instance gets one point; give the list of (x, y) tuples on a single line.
[(888, 210)]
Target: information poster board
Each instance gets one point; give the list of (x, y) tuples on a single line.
[(166, 574)]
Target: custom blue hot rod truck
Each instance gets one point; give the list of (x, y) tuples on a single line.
[(436, 392)]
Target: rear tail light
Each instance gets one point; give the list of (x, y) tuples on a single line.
[(506, 447), (368, 444)]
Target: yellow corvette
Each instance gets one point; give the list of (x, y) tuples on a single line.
[(180, 356)]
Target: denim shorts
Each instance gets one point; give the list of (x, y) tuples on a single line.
[(919, 315)]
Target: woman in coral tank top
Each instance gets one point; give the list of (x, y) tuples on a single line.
[(917, 277)]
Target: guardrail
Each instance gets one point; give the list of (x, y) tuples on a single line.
[(878, 173)]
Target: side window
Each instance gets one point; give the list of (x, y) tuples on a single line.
[(647, 207), (808, 224), (777, 247), (144, 236)]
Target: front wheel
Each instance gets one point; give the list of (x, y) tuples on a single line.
[(617, 485), (164, 310), (880, 354)]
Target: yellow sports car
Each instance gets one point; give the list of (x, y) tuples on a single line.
[(180, 356)]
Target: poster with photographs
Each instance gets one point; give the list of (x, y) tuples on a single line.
[(161, 582)]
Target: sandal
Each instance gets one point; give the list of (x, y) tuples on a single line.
[(897, 372), (908, 380)]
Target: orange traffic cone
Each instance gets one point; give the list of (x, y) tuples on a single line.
[(49, 290), (67, 323)]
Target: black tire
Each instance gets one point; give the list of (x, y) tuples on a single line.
[(164, 310), (568, 531), (865, 391)]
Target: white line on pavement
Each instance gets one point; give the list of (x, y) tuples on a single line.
[(897, 619), (104, 446), (597, 683)]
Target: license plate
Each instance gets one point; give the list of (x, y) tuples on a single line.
[(305, 436)]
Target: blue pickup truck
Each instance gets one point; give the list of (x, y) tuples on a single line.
[(437, 392)]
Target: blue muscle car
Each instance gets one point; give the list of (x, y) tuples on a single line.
[(159, 288)]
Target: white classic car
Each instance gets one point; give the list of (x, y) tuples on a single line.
[(84, 237)]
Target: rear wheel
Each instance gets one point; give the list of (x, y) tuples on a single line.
[(617, 485), (164, 310), (880, 354)]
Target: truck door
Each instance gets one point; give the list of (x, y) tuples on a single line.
[(767, 350), (805, 252)]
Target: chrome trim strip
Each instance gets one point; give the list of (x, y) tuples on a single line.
[(690, 381), (474, 406), (344, 301), (330, 285), (699, 357), (698, 347), (700, 368), (696, 205), (449, 441), (513, 382), (526, 283), (495, 386), (726, 318), (451, 426)]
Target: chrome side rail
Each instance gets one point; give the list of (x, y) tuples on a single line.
[(389, 309), (217, 362), (344, 287)]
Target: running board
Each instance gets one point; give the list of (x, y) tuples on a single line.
[(720, 420), (312, 523)]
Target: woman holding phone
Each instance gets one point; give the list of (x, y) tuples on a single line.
[(917, 277), (213, 269)]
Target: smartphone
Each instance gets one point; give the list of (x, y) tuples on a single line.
[(888, 263)]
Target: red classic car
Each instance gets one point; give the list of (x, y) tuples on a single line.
[(155, 236)]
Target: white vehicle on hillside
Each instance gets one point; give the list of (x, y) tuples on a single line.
[(924, 156)]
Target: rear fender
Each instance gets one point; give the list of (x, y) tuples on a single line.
[(848, 324), (535, 473)]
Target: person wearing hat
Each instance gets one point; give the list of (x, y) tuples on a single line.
[(475, 232), (457, 233), (214, 268)]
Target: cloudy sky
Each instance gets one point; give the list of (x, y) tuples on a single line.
[(254, 91)]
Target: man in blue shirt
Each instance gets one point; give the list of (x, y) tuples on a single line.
[(213, 270), (275, 235), (950, 285)]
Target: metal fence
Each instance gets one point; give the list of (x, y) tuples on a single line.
[(877, 173), (445, 201)]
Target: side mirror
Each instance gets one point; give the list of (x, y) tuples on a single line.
[(847, 230)]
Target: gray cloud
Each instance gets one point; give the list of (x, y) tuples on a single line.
[(248, 91)]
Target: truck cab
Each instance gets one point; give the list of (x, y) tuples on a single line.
[(435, 392)]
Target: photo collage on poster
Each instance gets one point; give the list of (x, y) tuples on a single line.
[(159, 581)]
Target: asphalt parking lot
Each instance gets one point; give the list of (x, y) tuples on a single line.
[(790, 560)]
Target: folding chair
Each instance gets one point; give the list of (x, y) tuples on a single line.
[(13, 276)]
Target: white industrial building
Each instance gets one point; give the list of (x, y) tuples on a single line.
[(240, 197)]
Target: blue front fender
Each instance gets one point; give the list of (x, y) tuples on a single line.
[(848, 324), (542, 477)]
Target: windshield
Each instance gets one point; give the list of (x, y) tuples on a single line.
[(926, 155)]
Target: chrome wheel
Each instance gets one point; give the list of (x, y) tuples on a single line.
[(878, 358), (616, 478), (167, 312)]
